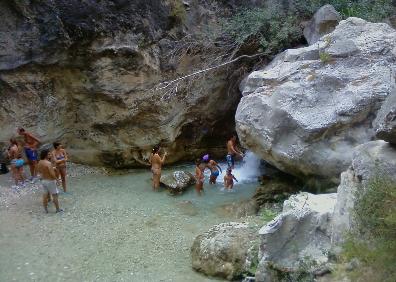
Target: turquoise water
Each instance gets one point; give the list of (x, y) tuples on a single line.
[(114, 228)]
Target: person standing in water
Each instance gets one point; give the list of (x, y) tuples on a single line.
[(232, 151), (31, 146), (199, 177), (156, 165), (59, 157), (214, 168), (229, 179), (48, 180)]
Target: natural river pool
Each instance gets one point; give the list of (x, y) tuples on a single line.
[(114, 228)]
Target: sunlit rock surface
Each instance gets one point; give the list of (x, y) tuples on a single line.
[(300, 234), (306, 111)]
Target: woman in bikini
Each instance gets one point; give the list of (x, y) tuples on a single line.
[(199, 177), (59, 157), (156, 165)]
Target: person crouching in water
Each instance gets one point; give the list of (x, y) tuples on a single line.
[(59, 156), (199, 177), (48, 180), (156, 166), (229, 179), (214, 167)]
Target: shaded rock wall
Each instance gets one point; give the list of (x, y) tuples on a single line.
[(84, 72)]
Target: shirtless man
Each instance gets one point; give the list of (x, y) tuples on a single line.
[(156, 165), (214, 168), (48, 180), (232, 151), (31, 145)]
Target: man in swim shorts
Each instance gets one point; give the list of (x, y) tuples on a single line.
[(31, 146), (232, 151), (214, 168), (48, 180)]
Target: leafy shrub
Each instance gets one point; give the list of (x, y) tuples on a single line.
[(375, 218), (324, 57), (276, 28), (178, 12), (273, 31)]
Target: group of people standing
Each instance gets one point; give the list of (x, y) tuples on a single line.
[(201, 164), (50, 168)]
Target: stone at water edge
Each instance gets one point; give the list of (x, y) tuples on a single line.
[(301, 233), (323, 22), (305, 116), (178, 181), (227, 250)]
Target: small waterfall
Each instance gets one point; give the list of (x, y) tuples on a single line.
[(248, 170)]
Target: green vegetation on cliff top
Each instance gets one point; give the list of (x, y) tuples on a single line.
[(277, 28)]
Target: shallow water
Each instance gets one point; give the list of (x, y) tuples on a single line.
[(114, 228)]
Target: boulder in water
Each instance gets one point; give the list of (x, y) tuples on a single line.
[(306, 116), (227, 250), (178, 181)]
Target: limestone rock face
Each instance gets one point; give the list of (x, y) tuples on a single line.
[(376, 157), (385, 123), (323, 22), (86, 72), (301, 233), (227, 250), (178, 181), (304, 115)]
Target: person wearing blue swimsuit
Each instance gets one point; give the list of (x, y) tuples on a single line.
[(214, 168), (31, 146)]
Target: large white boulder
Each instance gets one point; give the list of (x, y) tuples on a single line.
[(300, 234), (305, 112)]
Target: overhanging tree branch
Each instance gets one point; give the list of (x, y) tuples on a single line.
[(166, 84)]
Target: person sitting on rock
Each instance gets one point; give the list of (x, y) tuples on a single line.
[(199, 177), (214, 167), (156, 165), (229, 179)]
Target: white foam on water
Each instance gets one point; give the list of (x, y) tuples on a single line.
[(248, 170)]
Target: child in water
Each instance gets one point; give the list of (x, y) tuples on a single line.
[(229, 179), (199, 177)]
